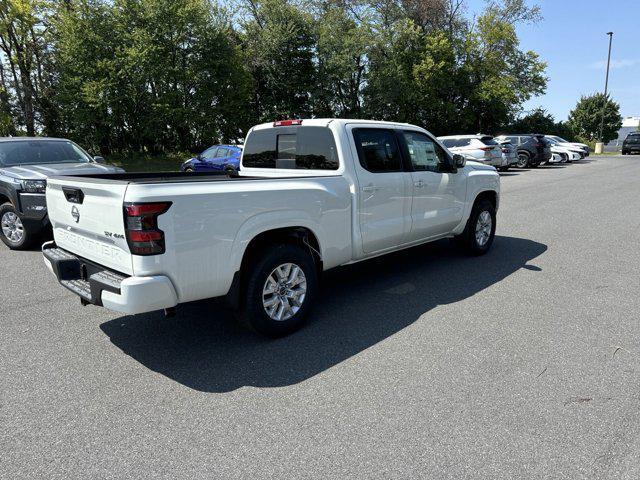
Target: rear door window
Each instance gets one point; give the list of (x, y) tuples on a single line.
[(222, 152), (210, 153), (306, 148), (378, 150)]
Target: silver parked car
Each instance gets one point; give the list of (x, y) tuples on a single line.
[(509, 153), (479, 148)]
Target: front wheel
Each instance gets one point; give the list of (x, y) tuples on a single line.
[(480, 231), (280, 289), (12, 231)]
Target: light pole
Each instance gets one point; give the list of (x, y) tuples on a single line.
[(604, 101)]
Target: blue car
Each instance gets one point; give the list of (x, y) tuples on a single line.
[(218, 157)]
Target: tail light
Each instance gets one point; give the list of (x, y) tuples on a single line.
[(141, 226), (486, 151)]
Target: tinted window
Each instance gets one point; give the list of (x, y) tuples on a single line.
[(425, 154), (308, 148), (488, 141), (456, 142), (378, 150), (40, 152)]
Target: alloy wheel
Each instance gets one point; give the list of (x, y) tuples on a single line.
[(483, 228), (284, 291), (12, 227)]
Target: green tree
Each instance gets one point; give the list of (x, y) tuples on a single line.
[(501, 76), (23, 46), (341, 63), (535, 121), (585, 119), (280, 41), (150, 74), (539, 120)]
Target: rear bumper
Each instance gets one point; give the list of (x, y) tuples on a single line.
[(99, 286)]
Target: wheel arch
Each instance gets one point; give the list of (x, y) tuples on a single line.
[(490, 195), (300, 235)]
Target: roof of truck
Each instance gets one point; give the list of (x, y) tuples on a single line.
[(323, 122), (32, 139)]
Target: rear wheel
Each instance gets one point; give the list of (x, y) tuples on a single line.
[(189, 170), (280, 289), (480, 231), (523, 160), (12, 231)]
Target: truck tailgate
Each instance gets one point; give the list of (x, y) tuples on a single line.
[(88, 220)]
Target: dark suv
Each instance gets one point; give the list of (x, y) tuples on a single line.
[(25, 164), (533, 148), (631, 143)]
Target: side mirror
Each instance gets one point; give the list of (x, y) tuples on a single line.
[(99, 159), (459, 161)]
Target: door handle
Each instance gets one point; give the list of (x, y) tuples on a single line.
[(419, 183), (370, 188)]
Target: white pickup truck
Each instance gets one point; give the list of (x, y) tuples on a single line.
[(311, 195)]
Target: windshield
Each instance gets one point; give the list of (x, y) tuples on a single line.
[(559, 139), (40, 152)]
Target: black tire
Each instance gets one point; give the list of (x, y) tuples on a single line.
[(468, 239), (229, 170), (26, 238), (253, 311), (189, 170), (504, 169), (524, 160)]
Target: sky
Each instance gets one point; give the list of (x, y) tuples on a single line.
[(572, 39)]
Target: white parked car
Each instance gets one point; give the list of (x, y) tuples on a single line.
[(579, 148), (565, 154), (480, 148), (310, 195)]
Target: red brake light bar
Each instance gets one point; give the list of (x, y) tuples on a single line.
[(287, 123)]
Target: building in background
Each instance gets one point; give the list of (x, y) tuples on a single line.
[(629, 124)]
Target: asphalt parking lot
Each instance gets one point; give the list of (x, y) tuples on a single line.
[(524, 363)]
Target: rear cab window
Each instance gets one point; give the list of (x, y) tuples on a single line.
[(292, 148)]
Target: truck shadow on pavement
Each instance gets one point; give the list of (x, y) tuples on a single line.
[(204, 349)]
